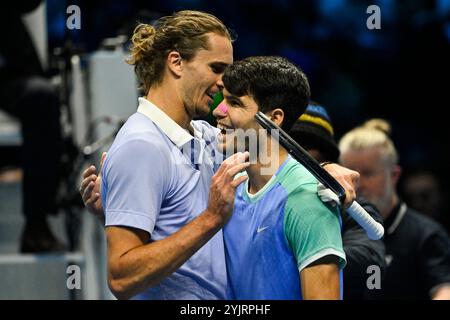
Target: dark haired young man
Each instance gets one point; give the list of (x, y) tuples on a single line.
[(282, 241)]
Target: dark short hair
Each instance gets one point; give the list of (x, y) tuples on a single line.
[(273, 82)]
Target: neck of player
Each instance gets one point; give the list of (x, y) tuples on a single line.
[(266, 165), (166, 99)]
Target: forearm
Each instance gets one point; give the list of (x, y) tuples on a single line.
[(146, 265)]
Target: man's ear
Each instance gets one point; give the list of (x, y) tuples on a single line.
[(175, 63), (277, 116), (395, 174)]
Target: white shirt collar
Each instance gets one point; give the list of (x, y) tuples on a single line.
[(171, 129), (400, 214)]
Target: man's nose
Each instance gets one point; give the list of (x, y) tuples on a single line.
[(221, 111)]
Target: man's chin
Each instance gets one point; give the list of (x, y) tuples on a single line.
[(202, 112), (199, 111)]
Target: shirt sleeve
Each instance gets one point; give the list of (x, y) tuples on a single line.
[(435, 258), (135, 180), (312, 229)]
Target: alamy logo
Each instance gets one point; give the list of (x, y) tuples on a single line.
[(374, 20), (374, 280), (74, 20), (74, 280)]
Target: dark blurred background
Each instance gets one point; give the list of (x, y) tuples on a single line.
[(398, 72)]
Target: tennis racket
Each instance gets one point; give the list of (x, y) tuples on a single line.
[(373, 229)]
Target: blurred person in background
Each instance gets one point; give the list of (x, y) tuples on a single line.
[(422, 191), (26, 94), (314, 131), (417, 248)]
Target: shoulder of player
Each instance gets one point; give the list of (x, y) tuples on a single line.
[(301, 187), (143, 142), (138, 149), (139, 128), (296, 179)]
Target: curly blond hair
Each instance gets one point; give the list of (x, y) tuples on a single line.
[(185, 32)]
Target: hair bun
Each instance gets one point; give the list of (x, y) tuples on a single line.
[(378, 124), (143, 32), (142, 41)]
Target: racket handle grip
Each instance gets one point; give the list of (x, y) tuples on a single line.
[(373, 229)]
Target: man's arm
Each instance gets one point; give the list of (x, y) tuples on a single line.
[(314, 234), (320, 280), (348, 179), (135, 264)]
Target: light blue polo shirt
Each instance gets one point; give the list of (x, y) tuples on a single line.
[(156, 178)]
